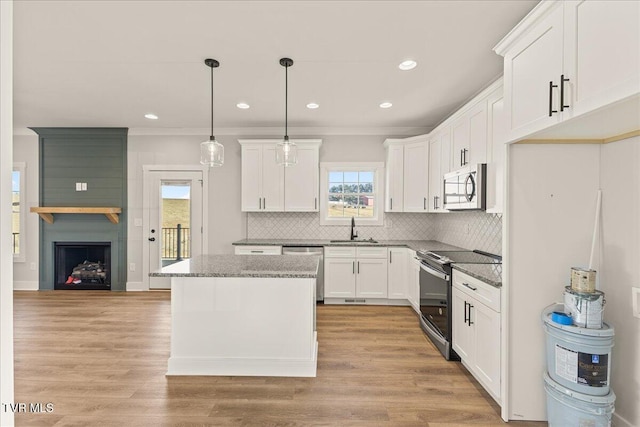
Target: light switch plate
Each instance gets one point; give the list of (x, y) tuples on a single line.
[(635, 294), (78, 186), (84, 186)]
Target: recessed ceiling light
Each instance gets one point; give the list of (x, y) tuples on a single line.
[(242, 105), (386, 105), (312, 105), (151, 116), (409, 64)]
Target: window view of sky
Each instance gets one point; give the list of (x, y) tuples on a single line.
[(175, 191), (15, 181)]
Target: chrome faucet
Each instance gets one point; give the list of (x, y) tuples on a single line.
[(354, 234)]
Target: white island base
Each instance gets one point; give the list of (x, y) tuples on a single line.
[(247, 326)]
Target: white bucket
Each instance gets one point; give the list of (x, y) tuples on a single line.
[(586, 309), (578, 358), (567, 408)]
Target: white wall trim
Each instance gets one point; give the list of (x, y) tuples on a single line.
[(6, 251), (25, 285), (136, 287)]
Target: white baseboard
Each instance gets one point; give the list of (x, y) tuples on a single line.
[(135, 287), (25, 285), (618, 421)]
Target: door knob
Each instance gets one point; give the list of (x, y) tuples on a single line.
[(152, 239)]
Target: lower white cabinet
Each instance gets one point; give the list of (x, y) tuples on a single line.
[(413, 280), (397, 273), (476, 329), (355, 272), (258, 250)]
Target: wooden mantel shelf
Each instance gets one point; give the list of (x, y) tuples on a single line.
[(46, 213)]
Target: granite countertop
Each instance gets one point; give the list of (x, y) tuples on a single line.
[(282, 266), (430, 245), (488, 273)]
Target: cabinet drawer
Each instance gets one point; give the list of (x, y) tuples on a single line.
[(339, 251), (481, 291), (258, 250), (371, 252)]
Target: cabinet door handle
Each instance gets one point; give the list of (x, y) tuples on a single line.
[(390, 257), (358, 267), (470, 287), (551, 110), (353, 267), (465, 312), (461, 164), (391, 203), (470, 307), (464, 157), (315, 203), (264, 203), (437, 200), (562, 80), (257, 252), (424, 204)]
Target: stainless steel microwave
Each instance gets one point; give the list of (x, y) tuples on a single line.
[(466, 188)]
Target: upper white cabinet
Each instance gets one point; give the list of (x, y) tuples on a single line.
[(569, 58), (262, 178), (301, 186), (407, 174), (416, 174), (496, 150), (469, 136), (394, 179), (268, 187)]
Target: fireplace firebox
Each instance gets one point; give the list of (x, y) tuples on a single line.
[(82, 265)]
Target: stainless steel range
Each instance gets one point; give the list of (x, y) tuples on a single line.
[(435, 293)]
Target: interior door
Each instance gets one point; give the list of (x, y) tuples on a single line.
[(175, 220)]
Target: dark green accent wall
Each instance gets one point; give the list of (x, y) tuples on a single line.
[(97, 156)]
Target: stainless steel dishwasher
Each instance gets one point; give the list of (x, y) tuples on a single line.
[(310, 250)]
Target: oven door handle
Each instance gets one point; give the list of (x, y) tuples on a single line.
[(434, 272)]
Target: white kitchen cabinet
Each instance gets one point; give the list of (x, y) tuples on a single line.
[(469, 136), (301, 185), (407, 174), (416, 175), (262, 179), (355, 273), (394, 176), (569, 58), (413, 291), (397, 273), (257, 250), (602, 53), (268, 187), (476, 329), (496, 148)]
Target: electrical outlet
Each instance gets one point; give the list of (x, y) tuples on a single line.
[(635, 296), (132, 266)]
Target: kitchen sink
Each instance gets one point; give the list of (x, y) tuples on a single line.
[(355, 242)]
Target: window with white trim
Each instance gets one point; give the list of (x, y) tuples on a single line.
[(18, 211), (351, 190)]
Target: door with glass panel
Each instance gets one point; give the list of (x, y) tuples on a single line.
[(175, 220)]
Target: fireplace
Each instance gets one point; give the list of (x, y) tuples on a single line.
[(82, 265)]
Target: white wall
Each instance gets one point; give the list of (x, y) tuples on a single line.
[(6, 255), (620, 182), (552, 198)]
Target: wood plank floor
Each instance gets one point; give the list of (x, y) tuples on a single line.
[(100, 359)]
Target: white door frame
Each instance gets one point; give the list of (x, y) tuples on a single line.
[(146, 189)]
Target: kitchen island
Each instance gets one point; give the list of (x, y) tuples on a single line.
[(243, 315)]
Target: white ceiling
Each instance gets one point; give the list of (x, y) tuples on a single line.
[(107, 63)]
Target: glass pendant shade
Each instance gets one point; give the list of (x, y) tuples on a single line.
[(286, 153), (211, 153)]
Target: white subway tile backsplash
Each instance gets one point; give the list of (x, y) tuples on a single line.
[(469, 230)]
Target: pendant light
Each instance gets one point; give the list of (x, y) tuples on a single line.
[(211, 151), (286, 151)]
